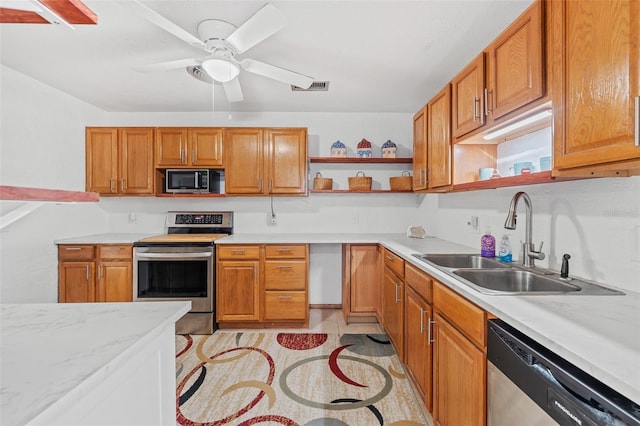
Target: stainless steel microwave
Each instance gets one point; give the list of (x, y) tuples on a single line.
[(192, 181)]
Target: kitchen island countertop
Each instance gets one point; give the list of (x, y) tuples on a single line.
[(54, 354)]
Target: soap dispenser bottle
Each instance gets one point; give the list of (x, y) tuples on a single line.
[(488, 245), (504, 251)]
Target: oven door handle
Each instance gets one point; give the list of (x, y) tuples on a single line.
[(172, 255)]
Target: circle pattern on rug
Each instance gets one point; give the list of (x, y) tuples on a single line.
[(376, 345), (301, 341)]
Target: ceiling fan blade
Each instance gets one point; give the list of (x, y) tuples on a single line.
[(169, 65), (276, 73), (162, 22), (264, 23), (233, 90)]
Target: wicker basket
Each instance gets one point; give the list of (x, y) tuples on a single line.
[(320, 182), (401, 183), (360, 183)]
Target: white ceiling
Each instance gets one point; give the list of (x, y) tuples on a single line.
[(379, 56)]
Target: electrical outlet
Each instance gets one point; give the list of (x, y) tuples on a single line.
[(271, 219), (474, 225)]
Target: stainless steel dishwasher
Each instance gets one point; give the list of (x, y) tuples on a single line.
[(527, 385)]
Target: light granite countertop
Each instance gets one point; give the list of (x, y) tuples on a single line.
[(599, 334), (54, 353)]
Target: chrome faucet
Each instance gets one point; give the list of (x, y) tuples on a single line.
[(529, 254)]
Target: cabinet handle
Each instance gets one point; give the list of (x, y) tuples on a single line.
[(193, 156), (73, 248), (397, 298), (260, 184), (123, 184), (237, 251), (487, 92), (637, 126), (476, 104), (284, 250), (99, 272), (111, 248), (422, 311), (112, 187), (426, 176), (285, 267), (390, 257), (430, 340), (87, 272), (285, 297)]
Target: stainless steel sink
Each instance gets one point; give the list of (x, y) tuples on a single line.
[(490, 276), (514, 281), (461, 261)]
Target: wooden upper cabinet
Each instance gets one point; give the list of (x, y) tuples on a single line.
[(244, 161), (119, 161), (265, 161), (439, 139), (516, 64), (287, 156), (596, 84), (101, 145), (189, 147), (468, 97), (136, 160), (420, 149)]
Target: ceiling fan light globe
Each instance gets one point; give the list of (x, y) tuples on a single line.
[(220, 70)]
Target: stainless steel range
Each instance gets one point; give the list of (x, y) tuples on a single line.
[(180, 265)]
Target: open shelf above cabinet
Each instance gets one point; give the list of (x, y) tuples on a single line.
[(357, 160)]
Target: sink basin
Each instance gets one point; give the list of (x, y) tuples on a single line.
[(513, 281), (461, 261)]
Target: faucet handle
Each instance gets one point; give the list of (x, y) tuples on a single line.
[(537, 254)]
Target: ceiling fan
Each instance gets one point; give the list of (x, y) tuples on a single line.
[(223, 41)]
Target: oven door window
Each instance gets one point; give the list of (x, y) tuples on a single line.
[(173, 278)]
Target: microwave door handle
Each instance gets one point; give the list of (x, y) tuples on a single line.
[(195, 178), (172, 255)]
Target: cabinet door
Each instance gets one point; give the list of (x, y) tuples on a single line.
[(136, 161), (205, 147), (114, 282), (365, 279), (392, 310), (287, 169), (101, 144), (238, 291), (244, 161), (420, 149), (459, 373), (468, 95), (171, 147), (76, 282), (418, 349), (439, 139), (516, 64), (596, 82)]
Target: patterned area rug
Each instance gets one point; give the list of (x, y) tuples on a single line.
[(311, 379)]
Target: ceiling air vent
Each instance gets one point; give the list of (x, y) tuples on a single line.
[(316, 86)]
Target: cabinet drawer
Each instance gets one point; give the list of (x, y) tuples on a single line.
[(285, 305), (286, 251), (238, 252), (76, 252), (394, 262), (285, 275), (467, 317), (419, 281), (120, 251)]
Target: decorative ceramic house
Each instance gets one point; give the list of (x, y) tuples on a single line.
[(364, 149), (389, 149), (338, 149)]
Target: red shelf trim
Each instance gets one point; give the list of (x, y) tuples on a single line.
[(38, 194)]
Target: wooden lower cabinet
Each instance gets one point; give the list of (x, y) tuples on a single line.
[(361, 282), (418, 336), (262, 286), (95, 273), (459, 378), (459, 360), (393, 304)]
